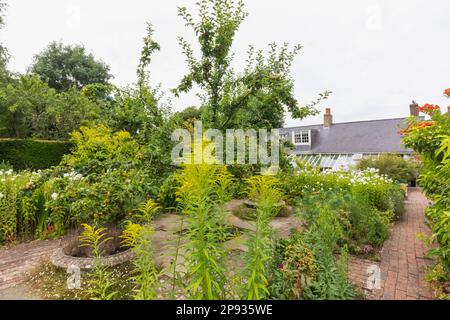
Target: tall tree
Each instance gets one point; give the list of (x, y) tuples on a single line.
[(65, 66), (256, 97), (30, 108)]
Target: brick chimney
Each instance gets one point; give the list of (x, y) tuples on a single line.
[(414, 109), (327, 118)]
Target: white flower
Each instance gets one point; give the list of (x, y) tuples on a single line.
[(2, 195), (54, 196)]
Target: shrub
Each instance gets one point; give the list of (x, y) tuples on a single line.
[(167, 192), (393, 166), (314, 273), (98, 149), (33, 154), (431, 139), (102, 181), (356, 222), (382, 192)]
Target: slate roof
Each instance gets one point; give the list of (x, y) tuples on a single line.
[(373, 136)]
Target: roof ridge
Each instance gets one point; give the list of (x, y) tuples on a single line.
[(347, 122)]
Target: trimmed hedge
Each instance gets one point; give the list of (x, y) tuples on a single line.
[(33, 154)]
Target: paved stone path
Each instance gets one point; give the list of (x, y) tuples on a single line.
[(403, 258), (17, 261)]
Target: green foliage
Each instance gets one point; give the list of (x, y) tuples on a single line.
[(30, 108), (102, 181), (382, 193), (202, 191), (351, 217), (95, 238), (65, 66), (167, 193), (299, 268), (138, 238), (304, 267), (431, 139), (393, 166), (141, 111), (8, 208), (255, 97), (187, 117), (147, 211), (263, 190), (33, 154), (97, 149), (22, 209), (331, 282)]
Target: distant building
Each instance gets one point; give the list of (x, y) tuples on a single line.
[(336, 146)]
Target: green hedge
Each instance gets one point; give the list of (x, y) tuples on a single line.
[(33, 154)]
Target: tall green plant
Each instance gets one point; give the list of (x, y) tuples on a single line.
[(95, 238), (203, 189), (264, 191), (138, 238)]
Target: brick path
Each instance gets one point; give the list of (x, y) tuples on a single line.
[(403, 258), (16, 261)]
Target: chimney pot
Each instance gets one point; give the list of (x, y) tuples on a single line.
[(414, 109), (327, 118)]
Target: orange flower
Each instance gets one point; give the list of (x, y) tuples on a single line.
[(429, 108), (424, 124), (405, 131), (447, 92)]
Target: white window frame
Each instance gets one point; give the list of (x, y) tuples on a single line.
[(301, 132)]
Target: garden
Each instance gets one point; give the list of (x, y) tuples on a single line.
[(89, 164)]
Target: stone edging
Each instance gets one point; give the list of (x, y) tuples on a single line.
[(60, 259)]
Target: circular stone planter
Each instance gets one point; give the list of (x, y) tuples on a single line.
[(62, 260), (251, 204)]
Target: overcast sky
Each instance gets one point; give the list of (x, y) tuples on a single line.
[(375, 55)]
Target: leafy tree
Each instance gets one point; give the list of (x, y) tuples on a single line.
[(140, 110), (30, 108), (137, 109), (259, 95), (65, 66), (186, 117)]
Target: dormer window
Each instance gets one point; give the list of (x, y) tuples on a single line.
[(301, 137)]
